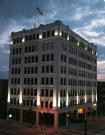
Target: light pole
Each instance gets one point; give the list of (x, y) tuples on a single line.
[(68, 120)]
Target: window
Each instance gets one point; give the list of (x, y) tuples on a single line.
[(42, 92), (51, 93), (43, 69), (35, 92), (46, 104), (51, 80), (52, 57), (47, 57), (51, 69), (43, 57), (46, 92), (42, 104), (51, 103), (42, 80)]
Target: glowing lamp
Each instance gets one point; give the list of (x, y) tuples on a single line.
[(68, 37), (40, 36), (23, 40), (80, 110), (85, 48), (78, 43), (60, 33), (11, 42), (10, 115), (56, 33)]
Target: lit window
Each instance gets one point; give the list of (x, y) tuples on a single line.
[(60, 33), (23, 40), (56, 33), (78, 43), (11, 42), (40, 36), (85, 47)]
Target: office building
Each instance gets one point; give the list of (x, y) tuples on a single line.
[(52, 73)]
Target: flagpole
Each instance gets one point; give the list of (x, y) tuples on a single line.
[(35, 20), (37, 12)]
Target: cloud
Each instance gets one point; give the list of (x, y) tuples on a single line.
[(101, 70)]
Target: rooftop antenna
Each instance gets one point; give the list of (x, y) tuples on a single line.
[(37, 12)]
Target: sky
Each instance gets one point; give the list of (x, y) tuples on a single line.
[(85, 17)]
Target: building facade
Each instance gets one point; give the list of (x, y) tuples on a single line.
[(52, 73), (3, 98), (101, 98)]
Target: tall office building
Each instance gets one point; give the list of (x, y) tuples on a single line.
[(52, 73)]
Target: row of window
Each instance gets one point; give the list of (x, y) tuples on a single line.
[(16, 51), (31, 70), (48, 69), (16, 60), (47, 80), (46, 92), (30, 81), (48, 46), (14, 101), (75, 82), (52, 33), (75, 62), (31, 59), (29, 102), (46, 104), (32, 48), (15, 70), (15, 91), (48, 57), (15, 81), (29, 92)]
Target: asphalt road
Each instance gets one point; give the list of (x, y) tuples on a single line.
[(96, 127)]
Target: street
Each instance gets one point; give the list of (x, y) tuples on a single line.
[(96, 127)]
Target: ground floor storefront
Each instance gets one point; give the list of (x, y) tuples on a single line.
[(52, 117)]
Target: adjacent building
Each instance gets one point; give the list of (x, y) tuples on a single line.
[(3, 98), (101, 97), (52, 73)]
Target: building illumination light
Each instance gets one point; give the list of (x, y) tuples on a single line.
[(60, 33), (11, 42), (59, 99), (77, 99), (8, 100), (38, 98), (96, 97), (20, 98), (54, 103), (92, 97), (85, 99), (85, 47), (23, 40), (68, 37), (40, 36), (56, 33), (92, 52), (67, 99), (77, 43)]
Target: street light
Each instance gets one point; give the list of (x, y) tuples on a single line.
[(10, 116), (93, 110), (42, 120), (68, 120)]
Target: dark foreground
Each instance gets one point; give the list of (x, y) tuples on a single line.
[(96, 127)]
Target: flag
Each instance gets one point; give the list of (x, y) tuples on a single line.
[(39, 11)]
